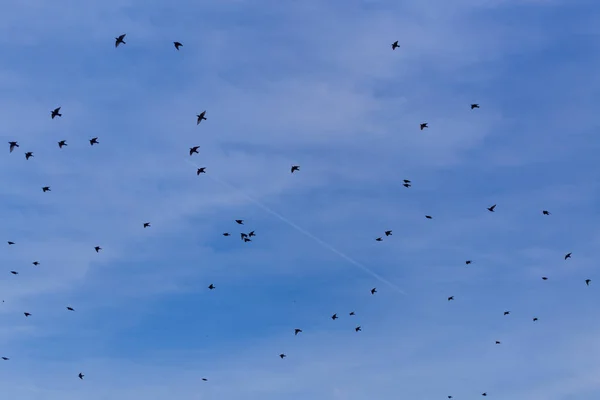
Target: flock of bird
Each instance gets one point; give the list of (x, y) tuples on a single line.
[(246, 237)]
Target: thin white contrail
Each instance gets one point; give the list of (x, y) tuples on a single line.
[(303, 231)]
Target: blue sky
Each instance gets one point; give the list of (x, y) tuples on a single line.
[(312, 83)]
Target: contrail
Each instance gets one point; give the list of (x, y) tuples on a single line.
[(303, 231)]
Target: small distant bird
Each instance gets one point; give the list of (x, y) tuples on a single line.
[(5, 358), (449, 397), (568, 255), (119, 40), (177, 45), (70, 309), (506, 312), (407, 181), (46, 189), (10, 243), (450, 298), (62, 143), (424, 125), (240, 221), (388, 233), (484, 394), (12, 146), (226, 234), (204, 379), (55, 113), (14, 272), (36, 263), (497, 342), (374, 290), (97, 248), (491, 209), (246, 240), (535, 319), (473, 106), (26, 314), (357, 329), (295, 168), (93, 141), (194, 150), (395, 45), (297, 331), (282, 356), (81, 375), (545, 212), (28, 155), (243, 235), (201, 171), (428, 217), (211, 286), (334, 317), (544, 278), (251, 234), (406, 185), (146, 224), (468, 262), (587, 282), (351, 313), (379, 239), (200, 117)]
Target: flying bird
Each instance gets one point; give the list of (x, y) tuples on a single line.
[(62, 143), (468, 262), (243, 235), (10, 243), (297, 331), (200, 117), (450, 298), (295, 168), (491, 209), (473, 106), (55, 113), (282, 356), (251, 234), (406, 185), (119, 40), (379, 239), (568, 255), (194, 150), (204, 379), (5, 358), (374, 290), (544, 278), (70, 308), (14, 272), (506, 312), (334, 317), (240, 221), (587, 282), (428, 217), (12, 146), (545, 212), (28, 155), (388, 233), (201, 171), (484, 394), (424, 125), (97, 248), (93, 141), (247, 240), (211, 286), (177, 45), (535, 319), (395, 45), (46, 189), (226, 234), (357, 329), (407, 181), (36, 263), (351, 313), (81, 375), (26, 314), (497, 342), (146, 224)]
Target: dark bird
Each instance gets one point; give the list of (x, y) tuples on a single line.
[(13, 145), (5, 358), (80, 374), (9, 242), (357, 329), (545, 212), (544, 278), (506, 312), (374, 290), (28, 155), (428, 217), (535, 319), (97, 248), (407, 181), (587, 282), (204, 379), (35, 263), (468, 262), (14, 272), (177, 45), (450, 298), (201, 171), (55, 113), (243, 235), (46, 189), (26, 314), (240, 221), (246, 240), (226, 234), (295, 168), (473, 106), (424, 125), (395, 45), (491, 209), (484, 394), (497, 342), (297, 331), (568, 255), (282, 356), (62, 143), (211, 286), (200, 117), (406, 185), (388, 233), (379, 239), (251, 234), (119, 40), (334, 317), (146, 224), (70, 309), (93, 141), (194, 150), (351, 313), (449, 397)]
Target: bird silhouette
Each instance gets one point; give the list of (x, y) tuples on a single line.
[(81, 375), (70, 309), (200, 117), (93, 141), (55, 113), (14, 272), (240, 221), (146, 224), (351, 313), (492, 208), (297, 331), (46, 189), (282, 356), (545, 212), (450, 298), (374, 290), (12, 146), (97, 248), (406, 185), (357, 329), (506, 312), (120, 40), (544, 278), (468, 262), (211, 286), (10, 243), (201, 171), (226, 234), (535, 319), (334, 317), (497, 342), (424, 125), (568, 255), (388, 233), (295, 168), (251, 234), (5, 358), (379, 239), (28, 155), (26, 314), (473, 106), (62, 143), (177, 45), (194, 150), (36, 263), (428, 217), (395, 45), (587, 282)]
